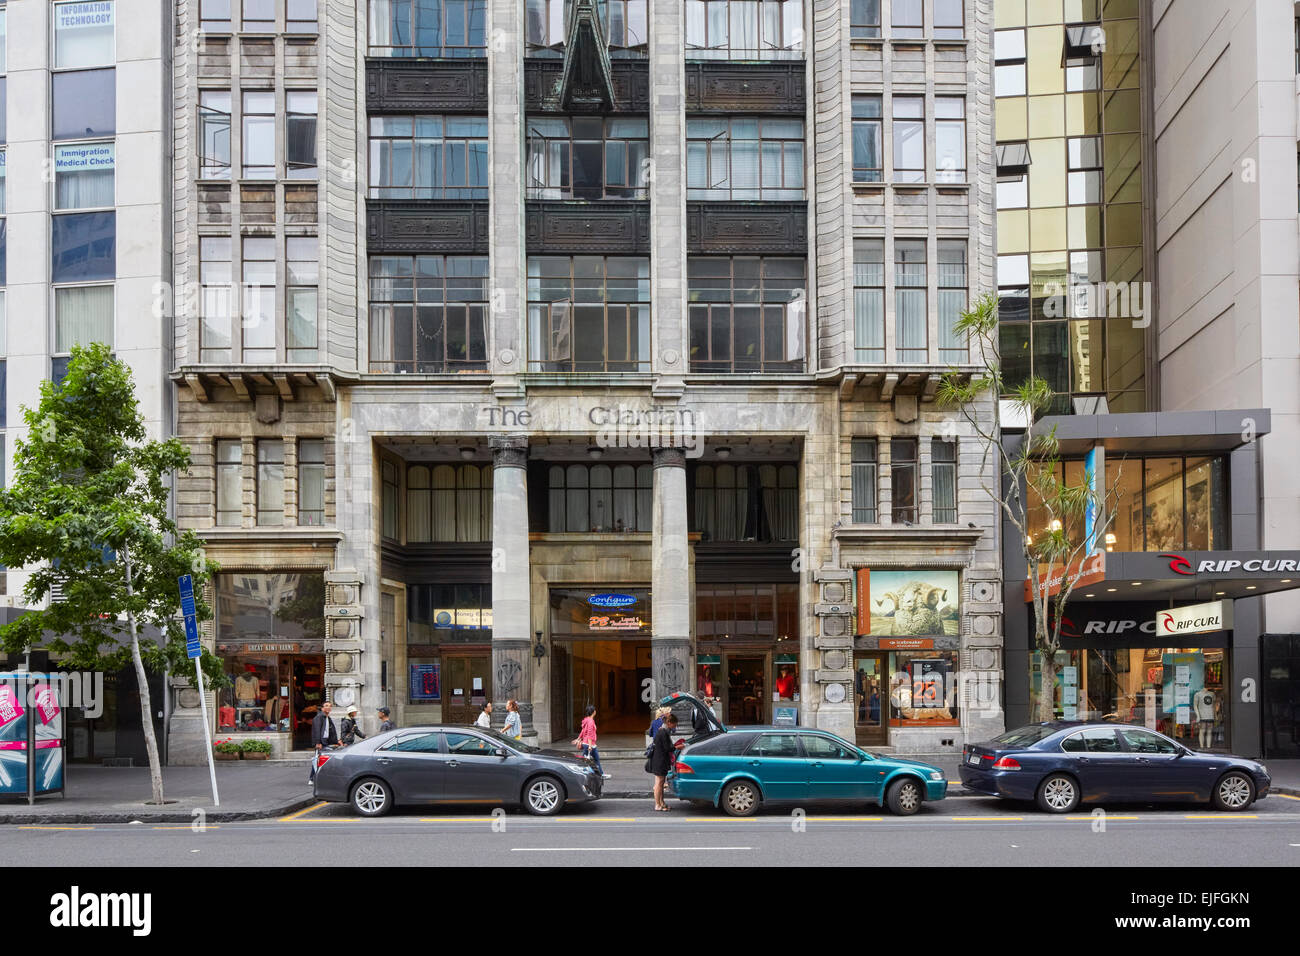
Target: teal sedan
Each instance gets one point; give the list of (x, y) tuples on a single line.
[(740, 768)]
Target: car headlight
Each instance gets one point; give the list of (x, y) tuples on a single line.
[(936, 774), (580, 771), (1264, 770)]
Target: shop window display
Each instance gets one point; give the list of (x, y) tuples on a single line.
[(923, 689)]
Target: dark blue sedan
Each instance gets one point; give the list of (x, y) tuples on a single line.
[(1062, 763)]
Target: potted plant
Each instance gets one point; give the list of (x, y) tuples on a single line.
[(257, 749), (226, 749)]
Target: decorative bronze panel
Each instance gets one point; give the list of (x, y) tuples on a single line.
[(542, 85), (417, 227), (426, 86), (779, 228), (720, 87), (594, 228)]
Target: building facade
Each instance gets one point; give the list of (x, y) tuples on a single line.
[(577, 353)]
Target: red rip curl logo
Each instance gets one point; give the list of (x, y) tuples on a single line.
[(1167, 621), (1179, 564)]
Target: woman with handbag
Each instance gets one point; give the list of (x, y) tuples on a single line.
[(662, 754), (587, 740)]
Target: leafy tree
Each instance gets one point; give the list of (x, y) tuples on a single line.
[(1033, 485), (87, 509)]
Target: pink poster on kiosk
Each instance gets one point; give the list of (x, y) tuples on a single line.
[(10, 707), (47, 702)]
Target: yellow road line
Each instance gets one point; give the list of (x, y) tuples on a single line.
[(1286, 796), (54, 828), (306, 810), (1220, 816)]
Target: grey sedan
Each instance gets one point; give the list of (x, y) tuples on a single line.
[(421, 765)]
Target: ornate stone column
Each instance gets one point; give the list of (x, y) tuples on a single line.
[(511, 617), (670, 640)]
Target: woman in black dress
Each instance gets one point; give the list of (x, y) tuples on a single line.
[(662, 754)]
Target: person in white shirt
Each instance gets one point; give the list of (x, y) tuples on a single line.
[(485, 717)]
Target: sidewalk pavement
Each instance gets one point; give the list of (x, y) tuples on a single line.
[(251, 790)]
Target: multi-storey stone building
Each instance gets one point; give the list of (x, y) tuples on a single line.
[(581, 352)]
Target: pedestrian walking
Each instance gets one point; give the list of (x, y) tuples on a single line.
[(655, 724), (385, 722), (351, 730), (587, 740), (514, 727), (485, 717), (323, 734), (662, 754)]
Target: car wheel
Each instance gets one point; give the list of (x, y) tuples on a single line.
[(1234, 791), (1059, 793), (372, 798), (904, 797), (543, 796), (741, 798)]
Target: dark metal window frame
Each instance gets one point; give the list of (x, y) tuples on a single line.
[(234, 463), (466, 294), (554, 339), (442, 50), (634, 163), (863, 475), (564, 497), (311, 460), (720, 316), (872, 126), (864, 19), (720, 155), (384, 143), (904, 475), (213, 165), (267, 478), (943, 460), (765, 506), (544, 44), (787, 45), (461, 494)]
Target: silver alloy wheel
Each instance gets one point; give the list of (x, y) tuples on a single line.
[(1058, 793), (909, 797), (543, 796), (1234, 791), (370, 797), (740, 798)]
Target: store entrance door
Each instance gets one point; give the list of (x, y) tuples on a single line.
[(466, 686), (869, 699), (745, 690), (609, 675)]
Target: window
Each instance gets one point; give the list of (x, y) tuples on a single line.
[(1169, 504), (82, 314), (869, 300), (428, 314), (270, 482), (83, 176), (414, 743), (85, 104), (259, 135), (909, 139), (864, 19), (300, 16), (83, 34), (300, 298), (1097, 740), (259, 300), (744, 158), (747, 612), (587, 157), (905, 21), (1083, 156), (1009, 62), (902, 471), (434, 28), (388, 478), (909, 300), (746, 502), (84, 247), (311, 482), (948, 20), (443, 612), (747, 314), (214, 134), (943, 469), (862, 477), (823, 748), (744, 29), (300, 134), (214, 16), (216, 296), (952, 299), (4, 31), (428, 157), (599, 498), (1013, 162), (775, 745), (448, 503), (868, 154), (1084, 43), (470, 745), (259, 16), (4, 352), (950, 139), (1146, 742), (589, 313), (230, 483)]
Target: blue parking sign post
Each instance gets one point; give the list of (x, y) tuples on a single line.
[(194, 650)]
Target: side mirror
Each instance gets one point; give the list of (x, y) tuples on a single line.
[(502, 752)]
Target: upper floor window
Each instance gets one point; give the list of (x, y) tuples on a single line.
[(943, 484), (1084, 44), (905, 20), (862, 480), (744, 30), (311, 481), (270, 482), (864, 19), (259, 135), (1084, 170), (744, 157), (588, 157), (428, 28), (216, 299), (258, 326), (4, 31), (428, 157), (599, 498), (84, 103), (951, 299), (302, 277), (1167, 503), (214, 134), (949, 20), (909, 139), (1009, 62), (449, 503), (84, 176), (84, 34), (428, 314), (388, 480), (949, 139), (903, 478), (214, 16), (747, 314), (300, 134), (909, 300), (230, 483), (746, 502), (868, 154), (300, 16), (259, 16), (623, 22), (869, 300), (589, 313)]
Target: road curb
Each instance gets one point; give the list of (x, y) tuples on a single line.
[(210, 815)]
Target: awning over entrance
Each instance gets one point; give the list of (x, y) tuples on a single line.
[(1192, 576)]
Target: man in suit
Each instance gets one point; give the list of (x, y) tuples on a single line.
[(323, 734)]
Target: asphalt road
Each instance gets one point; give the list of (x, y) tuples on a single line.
[(970, 831)]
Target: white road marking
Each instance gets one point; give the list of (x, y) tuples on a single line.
[(622, 849)]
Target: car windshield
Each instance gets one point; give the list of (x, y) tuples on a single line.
[(510, 742), (1024, 736)]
